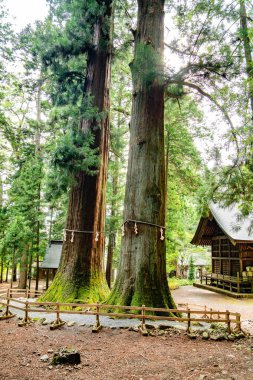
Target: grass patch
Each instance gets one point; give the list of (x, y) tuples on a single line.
[(175, 283)]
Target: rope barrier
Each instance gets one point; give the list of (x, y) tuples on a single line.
[(97, 233)]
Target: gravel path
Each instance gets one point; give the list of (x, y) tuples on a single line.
[(196, 296)]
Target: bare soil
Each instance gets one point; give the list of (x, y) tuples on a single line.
[(119, 354)]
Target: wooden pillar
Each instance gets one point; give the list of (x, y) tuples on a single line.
[(238, 282), (47, 278), (241, 262)]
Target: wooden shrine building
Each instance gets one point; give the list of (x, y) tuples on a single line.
[(50, 264), (231, 242)]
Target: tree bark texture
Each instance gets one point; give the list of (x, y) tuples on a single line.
[(81, 273), (142, 272)]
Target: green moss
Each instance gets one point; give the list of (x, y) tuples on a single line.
[(66, 290), (149, 299)]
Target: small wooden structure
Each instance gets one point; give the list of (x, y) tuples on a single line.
[(50, 264), (231, 242)]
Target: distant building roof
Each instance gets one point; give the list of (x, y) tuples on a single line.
[(53, 255), (225, 219)]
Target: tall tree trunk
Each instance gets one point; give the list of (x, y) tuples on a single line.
[(30, 267), (1, 192), (14, 274), (110, 251), (247, 51), (37, 251), (50, 225), (23, 269), (13, 265), (114, 202), (142, 271), (113, 234), (2, 252), (7, 272), (38, 155), (81, 273), (2, 268)]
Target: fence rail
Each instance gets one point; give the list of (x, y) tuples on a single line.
[(26, 292), (138, 312)]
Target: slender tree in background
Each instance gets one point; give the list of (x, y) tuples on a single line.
[(142, 273), (245, 36), (191, 274), (81, 273)]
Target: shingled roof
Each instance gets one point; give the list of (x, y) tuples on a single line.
[(225, 219), (53, 255)]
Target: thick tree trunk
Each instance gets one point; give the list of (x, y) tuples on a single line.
[(81, 272), (23, 270), (142, 272)]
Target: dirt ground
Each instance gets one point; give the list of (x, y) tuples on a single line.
[(119, 354), (114, 354)]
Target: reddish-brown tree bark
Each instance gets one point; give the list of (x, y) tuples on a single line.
[(81, 272)]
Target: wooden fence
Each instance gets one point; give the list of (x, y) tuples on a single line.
[(139, 312), (27, 293)]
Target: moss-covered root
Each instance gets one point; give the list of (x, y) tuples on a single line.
[(137, 298), (67, 291)]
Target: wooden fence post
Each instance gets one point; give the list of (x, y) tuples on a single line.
[(97, 325), (143, 328), (211, 315), (188, 320), (238, 322), (58, 322), (26, 320), (57, 313), (228, 321), (238, 282), (26, 312), (7, 313)]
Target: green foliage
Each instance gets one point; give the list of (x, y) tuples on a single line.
[(147, 63), (185, 176), (175, 283), (73, 152)]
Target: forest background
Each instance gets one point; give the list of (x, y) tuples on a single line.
[(208, 71)]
